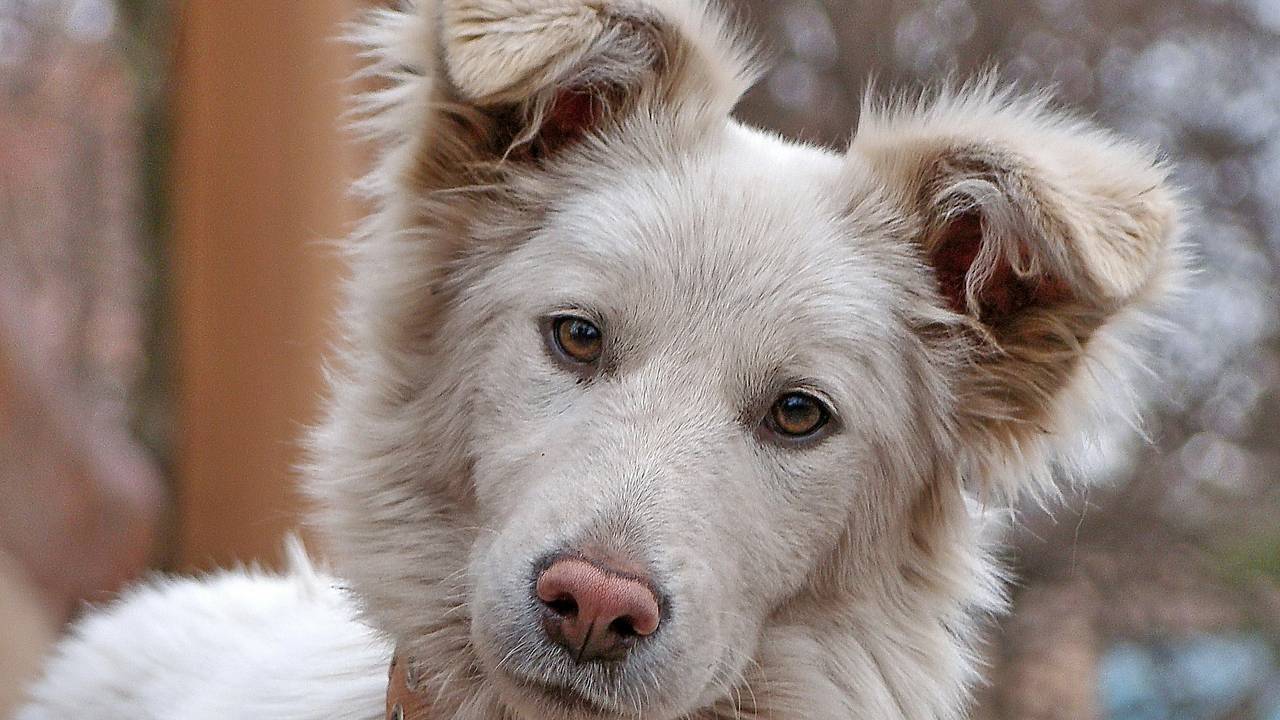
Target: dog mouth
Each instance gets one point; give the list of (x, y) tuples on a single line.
[(565, 700)]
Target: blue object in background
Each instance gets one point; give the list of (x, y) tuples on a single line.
[(1200, 678)]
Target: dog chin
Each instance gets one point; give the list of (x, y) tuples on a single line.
[(536, 699)]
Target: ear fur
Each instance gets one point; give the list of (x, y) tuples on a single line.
[(539, 74), (468, 94), (1042, 233)]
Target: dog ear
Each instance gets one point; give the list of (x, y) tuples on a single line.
[(1039, 232), (463, 96), (525, 78)]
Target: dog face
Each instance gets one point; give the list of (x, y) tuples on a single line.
[(710, 434), (630, 386)]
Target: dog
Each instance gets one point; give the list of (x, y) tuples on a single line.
[(645, 413)]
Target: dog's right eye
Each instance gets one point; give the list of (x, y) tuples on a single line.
[(578, 340)]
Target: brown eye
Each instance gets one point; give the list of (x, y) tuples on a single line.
[(798, 415), (579, 340)]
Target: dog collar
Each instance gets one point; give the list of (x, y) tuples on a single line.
[(404, 700)]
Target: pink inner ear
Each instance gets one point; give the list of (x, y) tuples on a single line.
[(954, 255), (1004, 293), (572, 114)]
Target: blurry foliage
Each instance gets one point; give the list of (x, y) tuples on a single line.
[(144, 34), (1258, 556), (78, 298), (83, 83)]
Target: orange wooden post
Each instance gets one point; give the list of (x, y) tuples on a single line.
[(259, 180)]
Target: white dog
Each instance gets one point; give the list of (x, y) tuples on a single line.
[(643, 413)]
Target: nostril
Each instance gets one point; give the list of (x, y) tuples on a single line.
[(624, 627), (564, 606)]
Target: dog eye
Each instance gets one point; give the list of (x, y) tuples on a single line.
[(577, 339), (798, 415)]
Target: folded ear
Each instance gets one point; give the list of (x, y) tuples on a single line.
[(464, 96), (525, 78), (1040, 232)]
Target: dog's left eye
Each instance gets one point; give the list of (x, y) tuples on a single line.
[(577, 339)]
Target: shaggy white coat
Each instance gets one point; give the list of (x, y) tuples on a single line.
[(958, 286)]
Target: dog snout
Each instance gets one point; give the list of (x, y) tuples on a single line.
[(595, 612)]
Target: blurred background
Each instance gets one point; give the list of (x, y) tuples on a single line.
[(171, 171)]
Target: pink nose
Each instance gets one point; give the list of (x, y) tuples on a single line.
[(593, 612)]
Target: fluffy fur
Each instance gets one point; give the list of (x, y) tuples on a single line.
[(957, 285)]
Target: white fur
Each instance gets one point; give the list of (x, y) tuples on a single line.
[(235, 644), (846, 577)]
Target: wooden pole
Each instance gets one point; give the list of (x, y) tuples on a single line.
[(259, 177)]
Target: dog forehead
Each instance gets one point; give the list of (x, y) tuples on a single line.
[(735, 216)]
